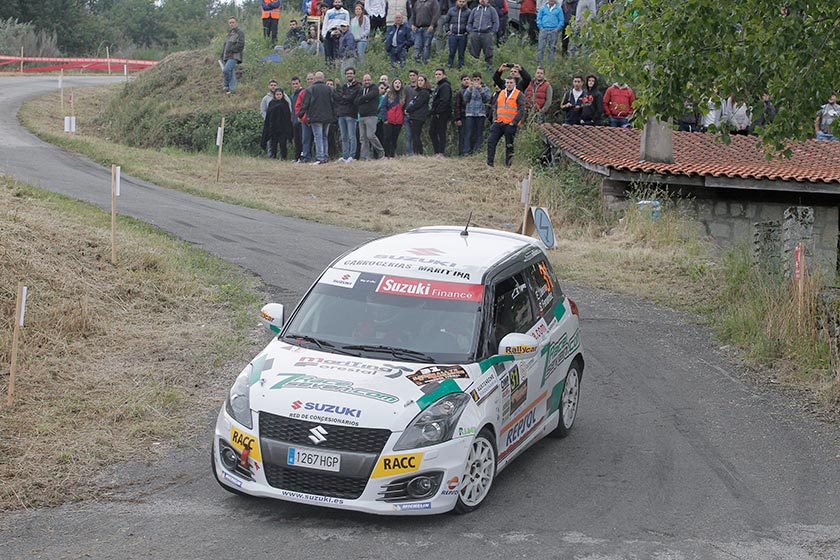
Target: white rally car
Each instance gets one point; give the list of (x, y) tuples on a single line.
[(414, 370)]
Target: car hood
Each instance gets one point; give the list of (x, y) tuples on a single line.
[(318, 386)]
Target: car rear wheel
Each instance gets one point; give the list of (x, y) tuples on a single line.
[(568, 403), (479, 473)]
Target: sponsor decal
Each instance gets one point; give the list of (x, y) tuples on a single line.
[(426, 252), (416, 505), (352, 366), (311, 497), (435, 391), (519, 396), (338, 277), (543, 268), (301, 381), (420, 259), (445, 272), (521, 426), (514, 377), (520, 349), (240, 440), (397, 464), (430, 289), (557, 352), (538, 330), (382, 264), (436, 374), (328, 408), (466, 432), (484, 389), (452, 483), (233, 479)]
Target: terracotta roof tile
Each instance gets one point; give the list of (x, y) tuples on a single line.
[(698, 154)]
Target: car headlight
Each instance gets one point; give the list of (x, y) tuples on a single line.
[(434, 425), (238, 403)]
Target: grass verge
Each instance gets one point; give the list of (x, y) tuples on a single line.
[(113, 360)]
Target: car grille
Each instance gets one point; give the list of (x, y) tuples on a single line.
[(321, 484), (338, 438)]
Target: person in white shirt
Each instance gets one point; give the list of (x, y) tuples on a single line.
[(376, 10), (333, 19)]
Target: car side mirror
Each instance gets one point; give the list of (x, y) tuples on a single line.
[(520, 346), (271, 315)]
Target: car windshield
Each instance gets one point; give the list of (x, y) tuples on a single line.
[(387, 317)]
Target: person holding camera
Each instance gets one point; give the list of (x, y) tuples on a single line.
[(520, 76)]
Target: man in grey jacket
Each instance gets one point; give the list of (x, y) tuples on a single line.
[(424, 18), (482, 26), (232, 54)]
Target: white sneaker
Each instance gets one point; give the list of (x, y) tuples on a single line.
[(316, 162), (342, 160), (348, 160)]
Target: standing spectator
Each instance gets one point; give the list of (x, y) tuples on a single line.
[(592, 108), (270, 16), (346, 111), (380, 125), (538, 96), (397, 40), (827, 114), (735, 116), (569, 11), (550, 21), (528, 17), (313, 42), (476, 98), (318, 108), (397, 7), (332, 20), (360, 26), (520, 76), (586, 10), (331, 130), (232, 54), (295, 36), (277, 126), (392, 114), (508, 112), (618, 104), (455, 25), (482, 26), (268, 97), (418, 111), (410, 93), (346, 47), (501, 7), (306, 127), (712, 116), (767, 114), (383, 79), (425, 14), (690, 120), (376, 10), (368, 106), (572, 101), (297, 126), (459, 111), (440, 112)]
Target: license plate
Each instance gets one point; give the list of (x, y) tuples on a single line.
[(314, 459)]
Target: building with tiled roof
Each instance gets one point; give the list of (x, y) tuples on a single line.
[(738, 190)]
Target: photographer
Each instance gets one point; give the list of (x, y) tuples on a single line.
[(520, 76)]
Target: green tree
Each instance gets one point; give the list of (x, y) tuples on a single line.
[(672, 50)]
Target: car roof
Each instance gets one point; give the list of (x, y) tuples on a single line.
[(437, 253)]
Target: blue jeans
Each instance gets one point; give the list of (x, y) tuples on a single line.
[(319, 131), (473, 133), (618, 122), (457, 43), (306, 140), (824, 136), (548, 36), (229, 74), (398, 56), (422, 44), (347, 126), (361, 47)]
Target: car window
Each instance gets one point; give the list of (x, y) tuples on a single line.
[(512, 308), (544, 285)]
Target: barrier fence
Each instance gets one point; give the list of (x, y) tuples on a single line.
[(63, 63)]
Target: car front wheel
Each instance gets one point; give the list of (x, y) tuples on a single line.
[(479, 473), (568, 403)]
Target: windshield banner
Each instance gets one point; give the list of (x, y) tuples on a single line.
[(429, 289)]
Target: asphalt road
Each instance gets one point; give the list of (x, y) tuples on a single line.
[(674, 454)]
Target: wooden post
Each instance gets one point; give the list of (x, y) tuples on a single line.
[(15, 335), (114, 214), (799, 277), (108, 56), (220, 138), (527, 203), (21, 59), (61, 87)]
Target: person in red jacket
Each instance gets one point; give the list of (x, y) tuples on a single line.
[(528, 17), (392, 113), (538, 96), (618, 104)]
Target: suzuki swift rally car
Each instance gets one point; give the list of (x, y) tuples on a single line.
[(415, 368)]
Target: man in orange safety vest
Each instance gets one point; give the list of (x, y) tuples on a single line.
[(270, 17), (508, 112)]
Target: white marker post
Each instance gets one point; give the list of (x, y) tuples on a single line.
[(125, 71), (70, 122), (21, 59), (220, 138), (799, 276), (525, 198), (61, 88), (115, 192), (108, 56), (20, 312)]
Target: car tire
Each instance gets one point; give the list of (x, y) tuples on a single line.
[(479, 473), (568, 403), (216, 475)]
